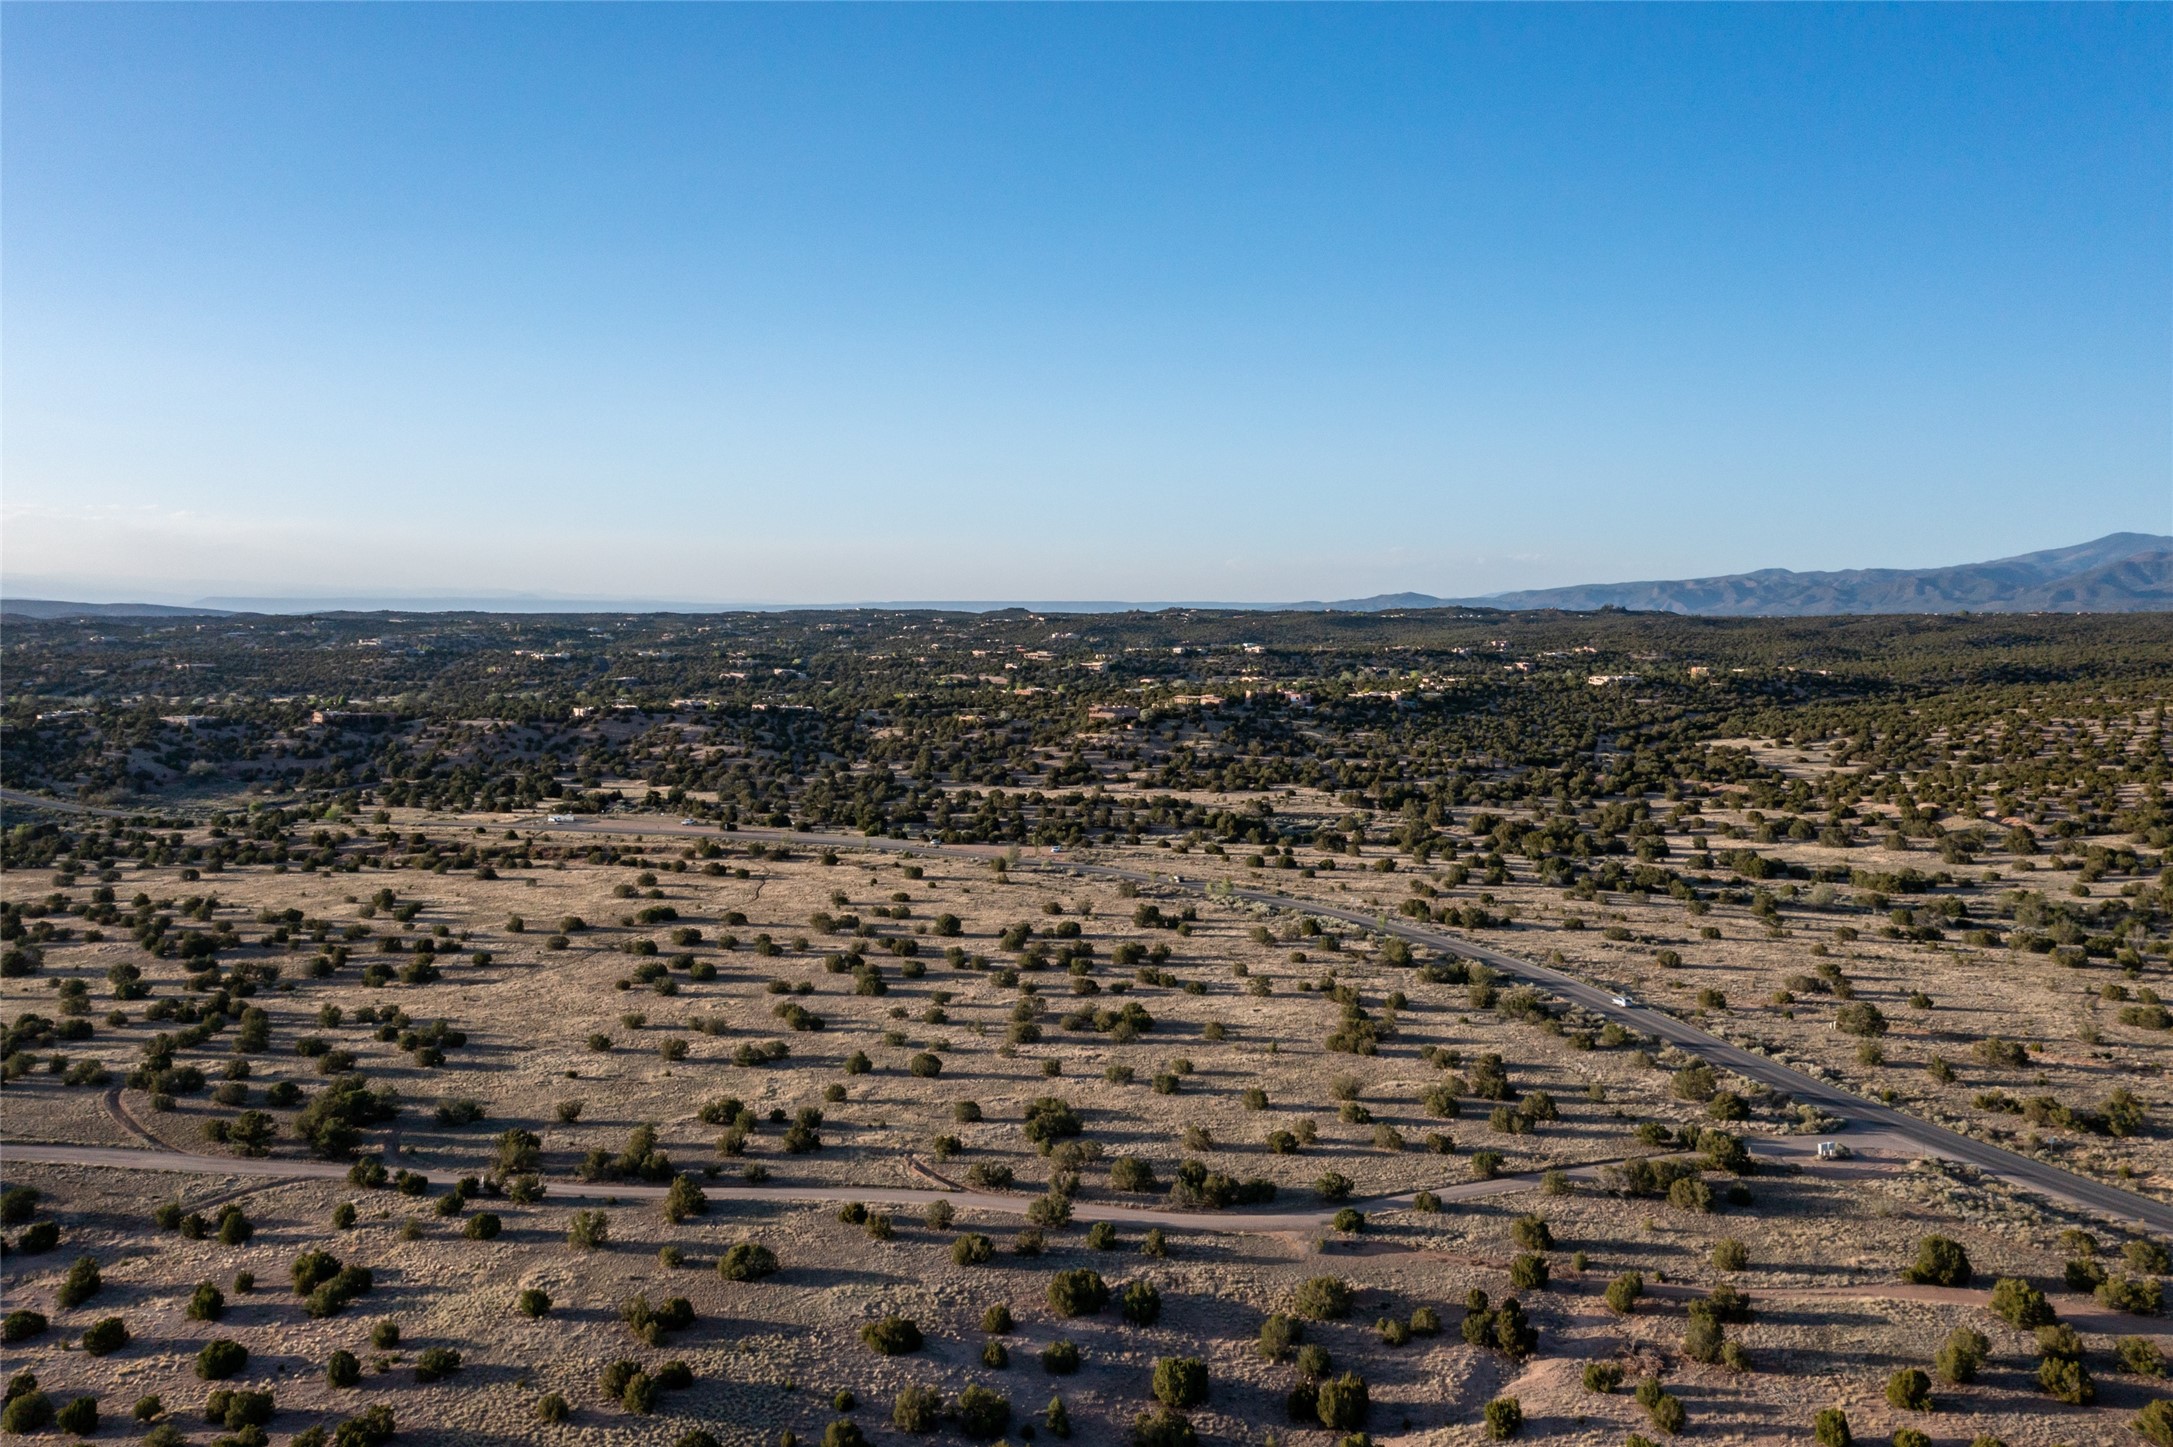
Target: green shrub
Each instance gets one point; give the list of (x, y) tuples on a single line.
[(79, 1417), (1142, 1303), (1601, 1378), (1531, 1233), (684, 1199), (1667, 1413), (220, 1359), (22, 1325), (533, 1303), (1078, 1292), (1180, 1381), (2136, 1295), (1909, 1390), (2065, 1379), (1060, 1358), (639, 1395), (588, 1230), (42, 1236), (2140, 1356), (616, 1375), (331, 1297), (1702, 1337), (371, 1427), (1163, 1427), (1323, 1298), (747, 1261), (235, 1410), (343, 1369), (1342, 1403), (1939, 1262), (916, 1409), (1130, 1173), (1504, 1418), (105, 1337), (312, 1269), (653, 1323), (2155, 1422), (982, 1414), (82, 1282), (26, 1412), (892, 1336), (1961, 1356), (435, 1363), (2020, 1304), (1623, 1292), (206, 1303)]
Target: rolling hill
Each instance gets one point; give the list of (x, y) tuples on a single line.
[(2118, 573)]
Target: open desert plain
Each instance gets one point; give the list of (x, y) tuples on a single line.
[(1429, 1028)]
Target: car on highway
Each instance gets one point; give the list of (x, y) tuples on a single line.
[(690, 821), (1624, 1000)]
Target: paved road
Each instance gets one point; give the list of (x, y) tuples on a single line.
[(1935, 1140)]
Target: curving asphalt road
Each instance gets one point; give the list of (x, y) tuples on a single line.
[(131, 1158), (63, 806), (1929, 1139)]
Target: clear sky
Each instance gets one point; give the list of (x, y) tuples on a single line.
[(792, 303)]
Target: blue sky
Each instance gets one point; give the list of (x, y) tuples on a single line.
[(834, 303)]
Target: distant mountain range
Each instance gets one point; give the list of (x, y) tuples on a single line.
[(55, 608), (2119, 573)]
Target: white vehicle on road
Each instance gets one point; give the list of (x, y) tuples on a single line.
[(1624, 1000), (561, 818)]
